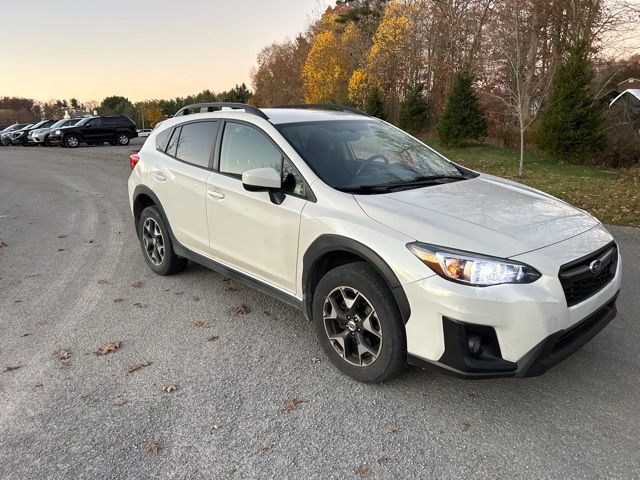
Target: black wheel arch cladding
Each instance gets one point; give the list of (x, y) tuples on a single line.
[(329, 244)]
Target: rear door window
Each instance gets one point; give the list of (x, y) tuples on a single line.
[(195, 144)]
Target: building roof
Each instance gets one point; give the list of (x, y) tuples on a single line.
[(631, 91)]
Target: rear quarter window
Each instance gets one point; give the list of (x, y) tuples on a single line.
[(162, 138)]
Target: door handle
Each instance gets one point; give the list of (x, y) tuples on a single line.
[(159, 176), (215, 195)]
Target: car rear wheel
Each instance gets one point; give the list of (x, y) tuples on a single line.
[(156, 244), (358, 323), (122, 139), (46, 142), (71, 141)]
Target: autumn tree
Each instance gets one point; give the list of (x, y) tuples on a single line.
[(462, 118), (359, 88), (277, 79), (388, 60), (325, 72), (571, 128)]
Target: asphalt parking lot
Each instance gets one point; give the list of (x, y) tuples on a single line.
[(254, 396)]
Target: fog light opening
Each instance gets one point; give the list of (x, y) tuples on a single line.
[(474, 344)]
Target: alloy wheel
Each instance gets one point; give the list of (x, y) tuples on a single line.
[(72, 142), (153, 241), (123, 139), (352, 326)]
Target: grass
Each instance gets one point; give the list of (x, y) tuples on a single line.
[(612, 195)]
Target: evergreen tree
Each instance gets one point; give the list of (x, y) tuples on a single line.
[(462, 118), (414, 111), (571, 128), (375, 104)]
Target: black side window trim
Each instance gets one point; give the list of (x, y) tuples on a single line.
[(212, 151), (308, 193)]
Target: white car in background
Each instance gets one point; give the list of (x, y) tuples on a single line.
[(144, 132), (394, 253)]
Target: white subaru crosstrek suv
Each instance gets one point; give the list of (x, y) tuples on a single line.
[(393, 252)]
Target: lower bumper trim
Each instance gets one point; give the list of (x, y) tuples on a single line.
[(546, 354)]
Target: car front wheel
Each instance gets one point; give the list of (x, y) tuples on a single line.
[(358, 323), (71, 141)]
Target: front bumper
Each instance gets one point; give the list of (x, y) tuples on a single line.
[(55, 139), (548, 353), (528, 328)]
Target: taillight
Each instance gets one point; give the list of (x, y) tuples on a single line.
[(133, 160)]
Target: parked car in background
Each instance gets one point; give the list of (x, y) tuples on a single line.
[(28, 137), (144, 132), (18, 136), (41, 135), (116, 129), (5, 135)]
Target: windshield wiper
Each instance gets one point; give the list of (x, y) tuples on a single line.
[(389, 187)]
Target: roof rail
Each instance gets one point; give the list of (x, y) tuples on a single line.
[(326, 106), (208, 107)]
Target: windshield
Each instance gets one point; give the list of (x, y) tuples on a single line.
[(82, 121), (356, 154)]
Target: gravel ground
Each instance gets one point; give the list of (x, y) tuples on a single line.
[(72, 277)]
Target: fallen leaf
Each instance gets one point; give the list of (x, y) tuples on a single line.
[(38, 385), (362, 471), (394, 430), (382, 460), (3, 244), (213, 338), (108, 347), (118, 300), (293, 403), (63, 353), (153, 447), (138, 366), (264, 449), (61, 249), (62, 236), (25, 335), (90, 241), (215, 427), (170, 388), (17, 301), (196, 298), (466, 426), (119, 402), (140, 305), (178, 293), (241, 309), (103, 282), (230, 288), (137, 284), (200, 325), (11, 368)]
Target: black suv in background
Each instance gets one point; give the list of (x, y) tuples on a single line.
[(116, 129)]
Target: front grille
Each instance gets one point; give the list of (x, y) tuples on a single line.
[(588, 275)]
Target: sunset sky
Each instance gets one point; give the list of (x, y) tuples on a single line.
[(140, 49)]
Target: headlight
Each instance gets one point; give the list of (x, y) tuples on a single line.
[(58, 132), (471, 268)]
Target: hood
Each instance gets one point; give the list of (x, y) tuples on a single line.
[(485, 215)]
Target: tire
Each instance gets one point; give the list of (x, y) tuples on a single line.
[(46, 141), (162, 261), (122, 139), (373, 320), (71, 141)]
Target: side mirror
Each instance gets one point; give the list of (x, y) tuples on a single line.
[(261, 179)]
